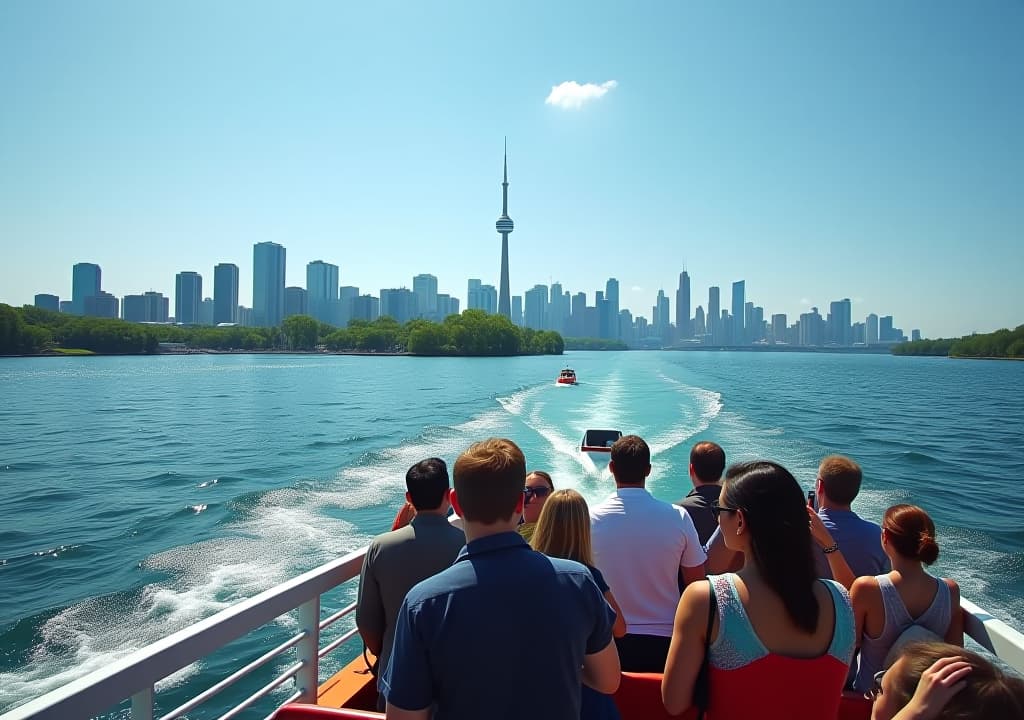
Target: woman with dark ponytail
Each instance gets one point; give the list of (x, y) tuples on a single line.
[(780, 640), (886, 605)]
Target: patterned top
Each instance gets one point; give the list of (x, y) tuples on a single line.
[(747, 680)]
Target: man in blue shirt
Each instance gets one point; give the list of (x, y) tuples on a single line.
[(506, 632), (837, 485)]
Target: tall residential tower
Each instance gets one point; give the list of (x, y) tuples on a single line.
[(504, 226)]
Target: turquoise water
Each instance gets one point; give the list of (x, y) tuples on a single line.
[(138, 495)]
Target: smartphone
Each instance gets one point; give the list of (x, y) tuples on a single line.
[(811, 499)]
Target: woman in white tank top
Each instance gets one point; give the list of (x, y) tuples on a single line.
[(886, 605)]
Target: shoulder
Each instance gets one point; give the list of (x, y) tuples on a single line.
[(954, 588), (864, 586)]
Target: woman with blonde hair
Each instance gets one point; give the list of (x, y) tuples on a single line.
[(886, 605), (563, 531)]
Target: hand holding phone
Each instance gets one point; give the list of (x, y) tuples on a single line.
[(811, 500)]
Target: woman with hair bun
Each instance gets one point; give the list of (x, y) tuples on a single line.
[(886, 605)]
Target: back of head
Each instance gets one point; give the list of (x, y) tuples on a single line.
[(489, 479), (988, 691), (780, 534), (563, 529), (631, 459), (708, 461), (840, 479), (427, 483), (911, 532)]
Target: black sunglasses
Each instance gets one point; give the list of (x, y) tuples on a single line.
[(717, 509), (540, 491)]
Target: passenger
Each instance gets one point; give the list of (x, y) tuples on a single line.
[(641, 544), (538, 487), (938, 681), (707, 462), (563, 531), (781, 640), (886, 605), (397, 560), (502, 619), (836, 487)]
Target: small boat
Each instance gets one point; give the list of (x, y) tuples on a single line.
[(599, 443), (567, 377)]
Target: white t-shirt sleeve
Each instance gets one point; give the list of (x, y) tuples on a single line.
[(693, 554)]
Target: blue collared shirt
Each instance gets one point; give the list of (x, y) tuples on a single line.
[(860, 540), (500, 634)]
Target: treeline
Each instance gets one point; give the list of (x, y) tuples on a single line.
[(29, 330), (999, 344), (589, 343)]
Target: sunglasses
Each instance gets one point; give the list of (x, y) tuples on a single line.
[(876, 686), (540, 491), (717, 509)]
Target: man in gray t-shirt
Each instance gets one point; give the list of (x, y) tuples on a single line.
[(397, 560)]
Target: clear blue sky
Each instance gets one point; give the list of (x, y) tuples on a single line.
[(818, 150)]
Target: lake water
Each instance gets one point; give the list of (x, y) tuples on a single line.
[(140, 494)]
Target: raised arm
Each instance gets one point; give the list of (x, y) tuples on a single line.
[(841, 571), (686, 651)]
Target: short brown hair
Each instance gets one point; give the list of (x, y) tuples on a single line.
[(840, 477), (631, 459), (988, 692), (708, 460), (489, 479)]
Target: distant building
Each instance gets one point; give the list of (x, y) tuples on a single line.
[(346, 294), (482, 297), (714, 314), (885, 329), (268, 268), (66, 306), (739, 293), (699, 327), (365, 307), (660, 316), (148, 307), (103, 305), (188, 294), (577, 316), (85, 282), (245, 318), (871, 330), (517, 310), (779, 328), (535, 305), (206, 312), (858, 333), (683, 325), (225, 293), (399, 304), (626, 332), (447, 305), (812, 329), (611, 296), (296, 301), (322, 291), (424, 287), (47, 302), (915, 335), (840, 330)]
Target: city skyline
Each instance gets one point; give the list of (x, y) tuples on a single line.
[(868, 151)]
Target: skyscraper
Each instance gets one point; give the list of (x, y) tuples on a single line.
[(296, 301), (871, 329), (611, 296), (225, 293), (399, 304), (714, 315), (683, 327), (517, 310), (841, 330), (425, 288), (47, 302), (504, 226), (268, 263), (322, 290), (739, 292), (346, 295), (188, 294), (660, 316), (148, 307), (85, 282), (535, 307)]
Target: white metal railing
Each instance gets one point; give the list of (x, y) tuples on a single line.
[(136, 675)]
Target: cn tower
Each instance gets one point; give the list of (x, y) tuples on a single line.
[(504, 226)]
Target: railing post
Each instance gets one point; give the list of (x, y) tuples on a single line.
[(142, 704), (307, 680)]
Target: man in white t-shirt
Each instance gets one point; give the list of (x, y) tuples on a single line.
[(640, 546)]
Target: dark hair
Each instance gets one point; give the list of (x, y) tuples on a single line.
[(427, 483), (988, 691), (775, 512), (708, 461), (631, 459), (489, 479), (840, 478), (544, 476), (911, 532)]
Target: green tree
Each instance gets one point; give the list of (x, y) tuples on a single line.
[(301, 332)]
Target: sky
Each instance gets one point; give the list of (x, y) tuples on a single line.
[(817, 150)]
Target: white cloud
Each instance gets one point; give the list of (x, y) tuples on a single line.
[(570, 95), (637, 288)]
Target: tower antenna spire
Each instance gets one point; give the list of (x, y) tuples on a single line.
[(504, 226)]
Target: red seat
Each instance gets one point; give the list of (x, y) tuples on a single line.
[(302, 711), (639, 698), (854, 706)]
